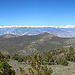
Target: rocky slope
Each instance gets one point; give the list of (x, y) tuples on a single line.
[(24, 45)]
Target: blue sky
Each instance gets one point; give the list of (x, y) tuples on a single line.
[(37, 12)]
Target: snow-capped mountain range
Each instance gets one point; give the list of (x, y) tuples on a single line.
[(61, 31), (67, 26)]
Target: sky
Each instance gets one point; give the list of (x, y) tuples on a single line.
[(37, 12)]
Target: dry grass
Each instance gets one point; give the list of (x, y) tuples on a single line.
[(64, 70), (57, 69), (15, 65)]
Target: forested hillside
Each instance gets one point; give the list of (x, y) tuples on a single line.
[(5, 68), (43, 63)]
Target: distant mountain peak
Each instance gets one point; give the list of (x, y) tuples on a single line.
[(9, 36), (46, 33), (67, 26)]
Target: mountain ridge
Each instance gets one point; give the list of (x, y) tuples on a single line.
[(28, 44)]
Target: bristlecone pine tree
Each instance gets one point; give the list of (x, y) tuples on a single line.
[(5, 68), (36, 68)]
